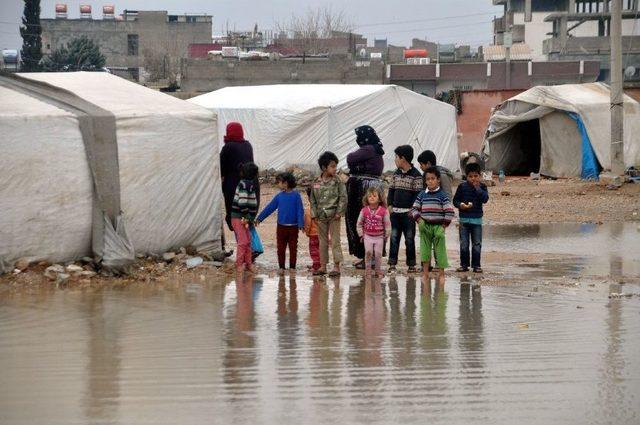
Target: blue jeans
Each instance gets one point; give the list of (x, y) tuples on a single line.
[(473, 232), (402, 224)]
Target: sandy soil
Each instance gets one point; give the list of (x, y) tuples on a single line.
[(566, 201)]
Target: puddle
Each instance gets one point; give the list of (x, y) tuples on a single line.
[(329, 351), (610, 249)]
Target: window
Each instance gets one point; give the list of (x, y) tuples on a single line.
[(173, 18), (191, 19), (132, 44)]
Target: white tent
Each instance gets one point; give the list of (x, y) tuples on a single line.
[(560, 131), (158, 165), (294, 124)]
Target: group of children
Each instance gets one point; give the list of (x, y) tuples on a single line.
[(423, 199)]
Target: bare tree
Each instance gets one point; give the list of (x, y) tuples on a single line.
[(311, 31), (161, 59)]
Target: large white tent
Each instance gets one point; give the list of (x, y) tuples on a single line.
[(73, 184), (560, 131), (293, 124)]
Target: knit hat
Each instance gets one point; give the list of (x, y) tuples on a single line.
[(234, 132)]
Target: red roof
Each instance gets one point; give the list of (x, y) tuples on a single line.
[(200, 50)]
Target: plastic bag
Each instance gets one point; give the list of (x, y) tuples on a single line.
[(256, 243)]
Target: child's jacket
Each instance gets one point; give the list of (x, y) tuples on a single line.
[(467, 193), (373, 223), (245, 202), (328, 198)]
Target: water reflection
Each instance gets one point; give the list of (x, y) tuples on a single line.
[(240, 357), (471, 335), (295, 349), (103, 352)]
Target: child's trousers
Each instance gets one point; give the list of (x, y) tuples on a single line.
[(243, 240), (329, 230), (287, 236), (314, 251), (433, 236), (373, 246)]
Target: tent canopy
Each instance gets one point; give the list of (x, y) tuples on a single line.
[(165, 156), (559, 131), (293, 124)]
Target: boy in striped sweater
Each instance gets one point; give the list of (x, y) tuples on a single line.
[(433, 212)]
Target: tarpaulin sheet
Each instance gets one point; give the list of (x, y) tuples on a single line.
[(168, 170), (293, 124), (591, 102)]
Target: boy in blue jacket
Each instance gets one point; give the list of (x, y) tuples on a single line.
[(469, 197), (290, 218)]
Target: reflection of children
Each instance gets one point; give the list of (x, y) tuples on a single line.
[(469, 198), (328, 204), (311, 230), (433, 212), (290, 218), (243, 212), (373, 226)]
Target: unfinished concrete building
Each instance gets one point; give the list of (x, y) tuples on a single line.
[(139, 45), (558, 30)]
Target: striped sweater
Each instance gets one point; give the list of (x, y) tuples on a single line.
[(245, 202), (433, 207)]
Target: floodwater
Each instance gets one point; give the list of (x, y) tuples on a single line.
[(327, 351)]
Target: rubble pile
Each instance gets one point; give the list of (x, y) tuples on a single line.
[(146, 267)]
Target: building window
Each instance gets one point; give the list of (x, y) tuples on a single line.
[(132, 44), (173, 18), (191, 19)]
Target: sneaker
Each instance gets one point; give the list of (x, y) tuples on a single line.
[(477, 270), (462, 269), (359, 265), (412, 269), (392, 269)]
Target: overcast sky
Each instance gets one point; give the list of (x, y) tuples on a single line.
[(444, 21)]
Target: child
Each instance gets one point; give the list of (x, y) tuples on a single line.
[(373, 226), (433, 212), (328, 204), (470, 196), (290, 218), (428, 159), (311, 230), (403, 190), (243, 211)]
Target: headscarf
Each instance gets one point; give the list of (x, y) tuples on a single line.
[(366, 135), (235, 133)]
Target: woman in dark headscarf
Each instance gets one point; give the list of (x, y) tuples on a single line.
[(235, 152), (365, 166)]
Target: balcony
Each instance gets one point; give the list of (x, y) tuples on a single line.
[(589, 45)]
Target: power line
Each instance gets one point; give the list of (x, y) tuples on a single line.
[(424, 20), (430, 29)]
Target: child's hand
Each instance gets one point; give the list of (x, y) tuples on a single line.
[(419, 220), (256, 223)]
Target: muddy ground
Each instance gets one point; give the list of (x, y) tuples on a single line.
[(516, 201)]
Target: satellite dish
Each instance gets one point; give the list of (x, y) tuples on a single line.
[(630, 71)]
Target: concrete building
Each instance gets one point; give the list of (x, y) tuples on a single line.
[(435, 78), (568, 30), (139, 45)]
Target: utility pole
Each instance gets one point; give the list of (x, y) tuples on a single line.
[(617, 109)]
